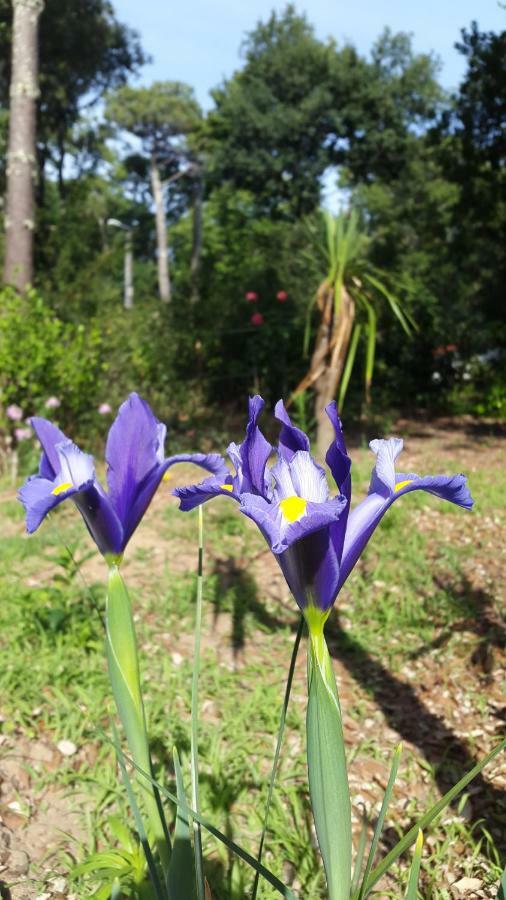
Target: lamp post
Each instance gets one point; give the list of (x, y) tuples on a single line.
[(128, 267)]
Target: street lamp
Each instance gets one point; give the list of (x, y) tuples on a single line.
[(128, 269)]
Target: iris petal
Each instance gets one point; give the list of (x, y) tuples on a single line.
[(291, 438), (366, 516)]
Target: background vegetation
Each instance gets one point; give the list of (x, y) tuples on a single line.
[(240, 187)]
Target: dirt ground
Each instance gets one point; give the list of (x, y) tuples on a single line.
[(442, 707)]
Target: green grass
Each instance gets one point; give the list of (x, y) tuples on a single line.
[(403, 604)]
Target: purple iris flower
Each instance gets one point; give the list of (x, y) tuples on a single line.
[(135, 466), (316, 538)]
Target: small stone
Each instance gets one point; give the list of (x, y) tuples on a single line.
[(177, 659), (66, 748), (19, 862), (467, 884)]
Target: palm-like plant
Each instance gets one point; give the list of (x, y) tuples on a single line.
[(347, 299)]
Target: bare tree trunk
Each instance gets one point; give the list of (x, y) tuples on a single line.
[(198, 192), (326, 390), (161, 232), (328, 359), (21, 153)]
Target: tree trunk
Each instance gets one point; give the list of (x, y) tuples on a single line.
[(198, 192), (326, 386), (328, 359), (161, 232), (21, 153)]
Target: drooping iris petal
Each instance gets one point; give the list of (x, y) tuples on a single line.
[(75, 479), (291, 438), (363, 520), (279, 531), (195, 494), (38, 498)]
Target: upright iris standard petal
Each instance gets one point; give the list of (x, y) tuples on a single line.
[(254, 452), (386, 486), (133, 453), (136, 465), (49, 436), (339, 464), (291, 438)]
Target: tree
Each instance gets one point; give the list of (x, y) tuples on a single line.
[(83, 52), (21, 159), (275, 121), (161, 116), (347, 301)]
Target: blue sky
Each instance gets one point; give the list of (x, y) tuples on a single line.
[(198, 41)]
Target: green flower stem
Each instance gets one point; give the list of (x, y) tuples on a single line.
[(197, 834), (124, 676), (328, 778)]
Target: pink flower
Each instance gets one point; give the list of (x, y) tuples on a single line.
[(251, 296), (52, 403), (13, 412), (23, 434), (281, 296), (104, 409), (257, 319)]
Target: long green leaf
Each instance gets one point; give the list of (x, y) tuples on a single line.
[(181, 878), (197, 836), (502, 887), (348, 367), (380, 820), (126, 687), (192, 813), (281, 730), (359, 858), (328, 779), (412, 890), (394, 304), (410, 836), (370, 346), (139, 824)]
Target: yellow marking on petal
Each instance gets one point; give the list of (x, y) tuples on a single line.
[(61, 488), (227, 487), (401, 484), (293, 508), (166, 476)]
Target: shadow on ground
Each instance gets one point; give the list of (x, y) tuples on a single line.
[(448, 754)]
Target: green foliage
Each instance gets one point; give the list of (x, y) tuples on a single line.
[(48, 358)]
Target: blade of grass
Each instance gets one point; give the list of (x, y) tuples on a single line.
[(181, 880), (194, 749), (502, 887), (380, 820), (360, 855), (230, 844), (414, 874), (410, 836), (281, 729), (160, 894)]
